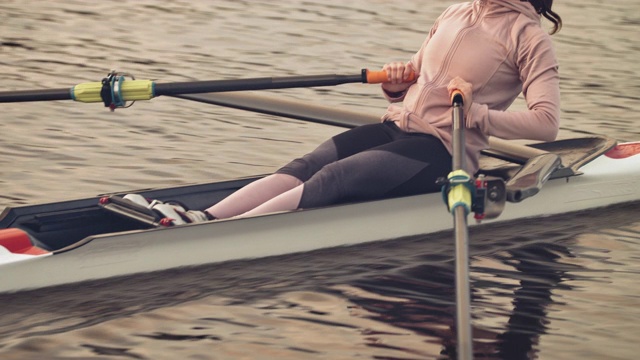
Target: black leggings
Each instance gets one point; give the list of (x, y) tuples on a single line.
[(370, 162)]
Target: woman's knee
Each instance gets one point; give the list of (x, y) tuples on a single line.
[(305, 167)]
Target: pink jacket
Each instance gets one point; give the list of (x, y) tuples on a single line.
[(498, 46)]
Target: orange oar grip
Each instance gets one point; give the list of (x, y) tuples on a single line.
[(378, 77), (456, 97)]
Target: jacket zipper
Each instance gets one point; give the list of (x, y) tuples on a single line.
[(447, 61)]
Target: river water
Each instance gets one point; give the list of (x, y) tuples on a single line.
[(561, 288)]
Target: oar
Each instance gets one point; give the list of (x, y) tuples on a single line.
[(116, 89), (311, 112), (299, 110), (460, 203)]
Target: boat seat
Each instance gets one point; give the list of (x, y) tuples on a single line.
[(130, 210)]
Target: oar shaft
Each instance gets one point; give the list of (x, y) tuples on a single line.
[(35, 95), (286, 108), (198, 87), (463, 296)]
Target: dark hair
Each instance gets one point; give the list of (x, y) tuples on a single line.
[(543, 7)]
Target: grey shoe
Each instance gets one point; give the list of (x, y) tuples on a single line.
[(171, 212), (179, 215), (176, 212)]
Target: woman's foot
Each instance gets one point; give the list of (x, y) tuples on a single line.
[(177, 213)]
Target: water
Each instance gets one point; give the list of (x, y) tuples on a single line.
[(560, 288)]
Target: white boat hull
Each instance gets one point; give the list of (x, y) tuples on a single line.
[(605, 182)]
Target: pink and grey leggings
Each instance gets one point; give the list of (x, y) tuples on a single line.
[(370, 162)]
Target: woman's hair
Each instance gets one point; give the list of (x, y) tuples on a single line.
[(543, 7)]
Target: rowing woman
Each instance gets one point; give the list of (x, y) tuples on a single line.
[(490, 50)]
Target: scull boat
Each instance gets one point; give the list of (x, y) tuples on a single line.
[(102, 237), (73, 241)]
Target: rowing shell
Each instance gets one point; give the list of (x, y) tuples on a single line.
[(73, 241)]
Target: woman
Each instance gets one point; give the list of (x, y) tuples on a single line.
[(491, 50)]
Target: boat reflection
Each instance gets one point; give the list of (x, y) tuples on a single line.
[(510, 300)]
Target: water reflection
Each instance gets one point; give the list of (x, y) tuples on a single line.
[(388, 300), (430, 308), (512, 293)]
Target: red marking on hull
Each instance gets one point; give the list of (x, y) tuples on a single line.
[(18, 242), (624, 150)]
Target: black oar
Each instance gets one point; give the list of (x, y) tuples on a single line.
[(460, 204), (116, 89)]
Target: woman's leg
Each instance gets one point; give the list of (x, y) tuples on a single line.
[(253, 195), (339, 147), (284, 186), (407, 166), (287, 201)]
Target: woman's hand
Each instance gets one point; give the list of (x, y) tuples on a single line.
[(398, 74), (465, 88)]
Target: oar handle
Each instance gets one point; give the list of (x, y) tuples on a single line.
[(381, 76), (456, 97)]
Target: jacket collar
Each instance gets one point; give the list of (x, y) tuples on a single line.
[(496, 7)]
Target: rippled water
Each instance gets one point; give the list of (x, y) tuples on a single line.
[(561, 288)]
